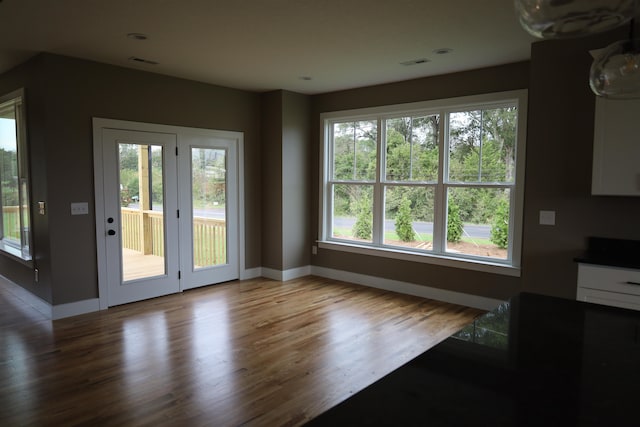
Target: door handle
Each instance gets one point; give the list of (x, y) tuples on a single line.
[(111, 232)]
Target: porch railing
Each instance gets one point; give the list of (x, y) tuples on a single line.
[(142, 231)]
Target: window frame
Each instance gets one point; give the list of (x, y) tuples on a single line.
[(442, 107), (22, 250)]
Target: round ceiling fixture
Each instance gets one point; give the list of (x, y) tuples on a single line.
[(615, 72)]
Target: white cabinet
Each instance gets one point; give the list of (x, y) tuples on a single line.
[(616, 148), (615, 286)]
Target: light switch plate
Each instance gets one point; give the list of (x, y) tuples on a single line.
[(80, 208), (547, 217)]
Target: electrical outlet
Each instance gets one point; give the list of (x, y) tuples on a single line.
[(314, 250)]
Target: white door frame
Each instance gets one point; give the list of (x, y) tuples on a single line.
[(101, 230)]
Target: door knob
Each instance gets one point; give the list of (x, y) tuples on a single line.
[(111, 232)]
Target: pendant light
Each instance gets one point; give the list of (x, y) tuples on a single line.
[(615, 72), (571, 18)]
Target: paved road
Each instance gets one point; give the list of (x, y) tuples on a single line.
[(470, 230)]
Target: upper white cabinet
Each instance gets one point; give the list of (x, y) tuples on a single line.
[(616, 148)]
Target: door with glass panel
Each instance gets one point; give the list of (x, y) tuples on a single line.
[(208, 197), (141, 214), (170, 210)]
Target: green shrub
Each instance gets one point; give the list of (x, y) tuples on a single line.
[(454, 223), (500, 225), (404, 223), (364, 219)]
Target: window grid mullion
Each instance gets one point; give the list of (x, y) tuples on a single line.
[(440, 204), (378, 189)]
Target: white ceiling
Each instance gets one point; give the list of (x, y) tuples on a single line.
[(262, 45)]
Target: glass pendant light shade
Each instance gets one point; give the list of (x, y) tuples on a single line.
[(571, 18), (615, 73)]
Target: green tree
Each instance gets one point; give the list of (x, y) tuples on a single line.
[(454, 223), (404, 223), (362, 229), (500, 226)]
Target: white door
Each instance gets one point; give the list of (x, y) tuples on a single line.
[(208, 196), (141, 214), (167, 203)]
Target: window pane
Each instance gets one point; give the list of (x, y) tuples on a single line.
[(412, 148), (354, 151), (408, 218), (142, 217), (353, 212), (482, 145), (478, 221), (25, 218), (464, 146), (9, 174), (208, 184)]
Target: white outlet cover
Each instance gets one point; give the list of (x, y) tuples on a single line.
[(547, 217), (80, 208)]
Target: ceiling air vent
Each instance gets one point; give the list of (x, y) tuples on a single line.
[(142, 60), (414, 62)]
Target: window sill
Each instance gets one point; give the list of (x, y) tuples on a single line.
[(467, 264), (15, 254)]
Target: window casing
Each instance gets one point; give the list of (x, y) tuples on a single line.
[(438, 181), (15, 224)]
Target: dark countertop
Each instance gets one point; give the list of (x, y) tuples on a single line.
[(533, 361), (612, 252)]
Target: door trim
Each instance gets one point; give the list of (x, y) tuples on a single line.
[(102, 123)]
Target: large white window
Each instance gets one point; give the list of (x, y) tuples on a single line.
[(14, 178), (439, 181)]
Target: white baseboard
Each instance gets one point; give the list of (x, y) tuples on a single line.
[(295, 273), (27, 297), (61, 311), (51, 312), (453, 297), (251, 273), (285, 275)]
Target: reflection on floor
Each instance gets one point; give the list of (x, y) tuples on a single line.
[(257, 352)]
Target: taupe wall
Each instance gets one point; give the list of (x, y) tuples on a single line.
[(29, 76), (63, 94), (508, 77), (558, 171), (74, 91), (285, 183), (559, 161), (272, 180), (295, 180)]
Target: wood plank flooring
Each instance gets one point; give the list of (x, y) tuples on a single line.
[(257, 352)]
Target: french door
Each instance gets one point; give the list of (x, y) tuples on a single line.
[(166, 209)]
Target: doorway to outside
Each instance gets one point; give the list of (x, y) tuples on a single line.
[(167, 208)]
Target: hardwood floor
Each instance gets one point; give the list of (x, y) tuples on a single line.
[(255, 352)]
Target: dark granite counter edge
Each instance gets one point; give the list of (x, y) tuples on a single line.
[(610, 262)]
